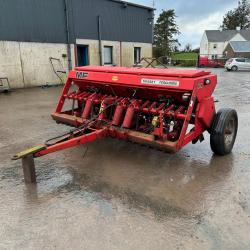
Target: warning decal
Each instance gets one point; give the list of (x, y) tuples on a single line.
[(161, 82)]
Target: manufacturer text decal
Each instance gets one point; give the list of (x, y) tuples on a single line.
[(81, 75), (161, 82)]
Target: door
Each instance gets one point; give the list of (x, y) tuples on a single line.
[(248, 64), (240, 63), (82, 55)]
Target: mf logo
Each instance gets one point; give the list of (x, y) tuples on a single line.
[(81, 75)]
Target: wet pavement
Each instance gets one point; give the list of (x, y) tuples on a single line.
[(113, 194)]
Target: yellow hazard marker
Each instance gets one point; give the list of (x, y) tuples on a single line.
[(28, 151)]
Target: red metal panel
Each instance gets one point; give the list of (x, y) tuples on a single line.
[(206, 111), (135, 80), (145, 71)]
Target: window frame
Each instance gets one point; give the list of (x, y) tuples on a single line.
[(111, 55), (135, 54)]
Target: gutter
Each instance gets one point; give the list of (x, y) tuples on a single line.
[(133, 4)]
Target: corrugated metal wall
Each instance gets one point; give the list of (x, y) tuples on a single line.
[(44, 21), (32, 20)]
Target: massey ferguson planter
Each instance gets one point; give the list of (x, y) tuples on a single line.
[(162, 108)]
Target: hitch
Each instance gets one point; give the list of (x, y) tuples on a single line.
[(64, 142)]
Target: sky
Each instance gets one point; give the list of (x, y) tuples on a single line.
[(193, 16)]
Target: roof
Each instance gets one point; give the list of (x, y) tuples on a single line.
[(245, 34), (242, 46), (133, 4), (145, 71), (225, 35)]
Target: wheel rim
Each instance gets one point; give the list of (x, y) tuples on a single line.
[(229, 133)]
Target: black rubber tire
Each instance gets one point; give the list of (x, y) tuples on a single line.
[(220, 131), (234, 68), (228, 69)]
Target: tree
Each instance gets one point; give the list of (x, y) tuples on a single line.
[(176, 48), (188, 47), (196, 50), (165, 31), (239, 17)]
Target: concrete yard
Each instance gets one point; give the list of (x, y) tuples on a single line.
[(113, 194)]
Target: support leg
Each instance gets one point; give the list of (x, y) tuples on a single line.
[(29, 169)]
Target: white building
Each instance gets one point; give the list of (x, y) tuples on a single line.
[(214, 42)]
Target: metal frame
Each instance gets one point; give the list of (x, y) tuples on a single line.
[(8, 84)]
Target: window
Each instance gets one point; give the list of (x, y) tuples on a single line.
[(215, 46), (137, 55), (214, 56), (240, 59), (108, 55)]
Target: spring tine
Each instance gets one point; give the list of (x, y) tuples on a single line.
[(160, 107), (179, 110), (145, 104), (152, 105)]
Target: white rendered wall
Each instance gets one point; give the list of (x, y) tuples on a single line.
[(123, 52), (27, 64), (204, 45)]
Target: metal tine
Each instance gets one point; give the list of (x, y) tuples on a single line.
[(169, 109), (179, 110), (160, 107), (83, 95), (153, 105)]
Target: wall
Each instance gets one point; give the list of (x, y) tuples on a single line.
[(204, 45), (216, 51), (243, 54), (207, 48), (128, 52), (230, 53), (27, 64), (123, 52), (32, 31), (10, 63), (94, 56), (45, 21)]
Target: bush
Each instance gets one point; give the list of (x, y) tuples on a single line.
[(189, 63)]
